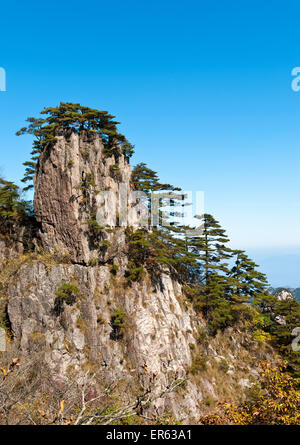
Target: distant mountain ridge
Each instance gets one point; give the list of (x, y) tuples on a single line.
[(294, 291)]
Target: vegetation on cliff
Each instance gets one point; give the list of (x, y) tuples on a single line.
[(223, 285), (12, 207), (274, 400), (68, 118)]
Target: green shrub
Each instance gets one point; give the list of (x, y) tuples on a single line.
[(4, 319), (207, 401), (105, 243), (223, 365), (114, 269), (82, 325), (134, 272), (89, 177), (66, 293), (94, 226), (202, 336), (118, 323), (100, 320), (199, 364), (118, 318), (115, 172)]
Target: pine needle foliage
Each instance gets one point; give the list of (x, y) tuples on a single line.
[(13, 209), (65, 119)]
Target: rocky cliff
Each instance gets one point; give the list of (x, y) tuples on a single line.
[(74, 181), (283, 294), (159, 339)]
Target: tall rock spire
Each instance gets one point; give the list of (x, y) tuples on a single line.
[(76, 181)]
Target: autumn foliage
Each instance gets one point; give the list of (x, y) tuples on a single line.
[(275, 400)]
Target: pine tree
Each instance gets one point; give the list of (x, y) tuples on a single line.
[(287, 317), (138, 253), (12, 207), (66, 118), (211, 251), (147, 180), (282, 317), (212, 256), (158, 250), (43, 135), (247, 283)]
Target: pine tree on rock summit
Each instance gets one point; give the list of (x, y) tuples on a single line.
[(67, 118)]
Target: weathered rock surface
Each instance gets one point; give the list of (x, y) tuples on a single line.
[(159, 343), (74, 181), (161, 339), (160, 325), (156, 344), (284, 294), (21, 239)]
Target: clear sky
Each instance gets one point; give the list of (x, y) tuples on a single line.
[(203, 90)]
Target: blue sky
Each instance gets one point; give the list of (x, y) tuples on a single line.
[(203, 90)]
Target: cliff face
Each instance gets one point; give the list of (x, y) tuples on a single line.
[(160, 338), (156, 341), (74, 181)]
